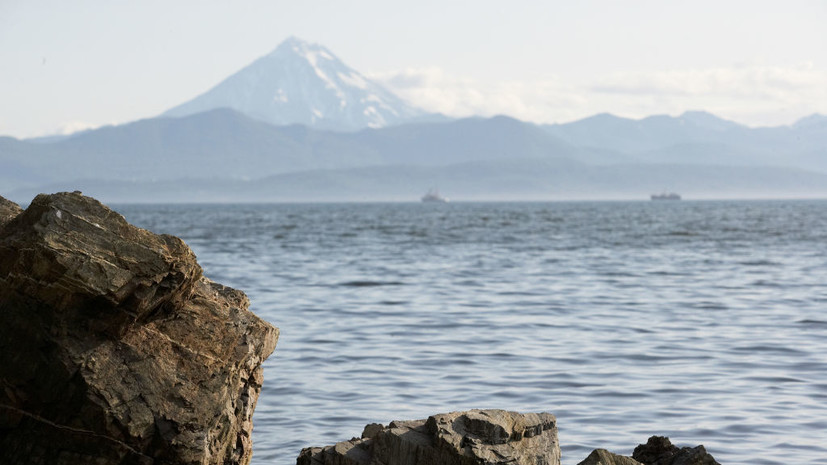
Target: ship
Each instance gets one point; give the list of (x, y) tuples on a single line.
[(433, 197), (666, 196)]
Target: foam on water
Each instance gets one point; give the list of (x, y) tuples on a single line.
[(703, 321)]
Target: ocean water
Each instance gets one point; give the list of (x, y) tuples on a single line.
[(702, 321)]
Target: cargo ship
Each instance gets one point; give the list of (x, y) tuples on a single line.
[(433, 197)]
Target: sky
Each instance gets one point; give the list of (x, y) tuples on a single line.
[(66, 66)]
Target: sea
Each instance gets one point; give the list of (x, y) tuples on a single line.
[(704, 321)]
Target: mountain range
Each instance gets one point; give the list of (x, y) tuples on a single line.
[(701, 137), (300, 125)]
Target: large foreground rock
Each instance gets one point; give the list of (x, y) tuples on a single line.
[(114, 349), (476, 437)]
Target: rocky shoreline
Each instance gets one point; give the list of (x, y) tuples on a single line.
[(488, 437), (114, 349)]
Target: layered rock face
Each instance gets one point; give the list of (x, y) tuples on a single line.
[(114, 349), (476, 437)]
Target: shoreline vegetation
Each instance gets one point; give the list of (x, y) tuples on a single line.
[(114, 349)]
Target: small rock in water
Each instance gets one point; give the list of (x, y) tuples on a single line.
[(658, 450), (479, 437)]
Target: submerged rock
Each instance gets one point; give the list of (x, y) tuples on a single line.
[(658, 450), (475, 437), (113, 346)]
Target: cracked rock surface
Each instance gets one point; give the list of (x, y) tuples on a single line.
[(8, 210), (475, 437), (114, 349)]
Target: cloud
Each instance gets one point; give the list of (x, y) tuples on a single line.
[(750, 94), (70, 127), (744, 82), (436, 91), (753, 94)]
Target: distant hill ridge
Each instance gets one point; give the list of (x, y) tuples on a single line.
[(503, 156)]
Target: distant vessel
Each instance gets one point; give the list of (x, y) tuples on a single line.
[(666, 196), (433, 197)]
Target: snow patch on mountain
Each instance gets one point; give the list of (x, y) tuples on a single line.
[(354, 80)]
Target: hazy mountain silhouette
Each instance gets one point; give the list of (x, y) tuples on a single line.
[(224, 143), (525, 179), (298, 124), (222, 155)]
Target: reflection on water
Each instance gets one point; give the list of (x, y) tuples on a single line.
[(703, 321)]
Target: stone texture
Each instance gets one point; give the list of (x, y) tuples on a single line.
[(113, 346), (475, 437), (604, 457), (8, 210), (658, 450)]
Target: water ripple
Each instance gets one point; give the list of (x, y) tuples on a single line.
[(698, 320)]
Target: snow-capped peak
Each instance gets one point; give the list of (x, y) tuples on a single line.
[(303, 82), (310, 50)]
